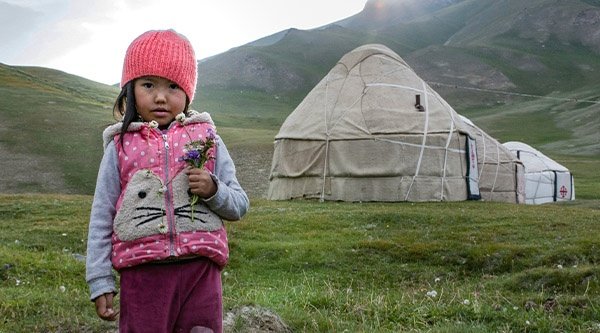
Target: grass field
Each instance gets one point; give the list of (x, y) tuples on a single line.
[(335, 267)]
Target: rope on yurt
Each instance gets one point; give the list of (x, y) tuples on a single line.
[(328, 134), (325, 166), (572, 187), (322, 196), (516, 174), (448, 140), (358, 99), (544, 178), (554, 195), (329, 128), (395, 86), (483, 164), (402, 143), (497, 169), (517, 179), (425, 132)]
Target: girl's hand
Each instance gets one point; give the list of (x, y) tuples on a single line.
[(104, 307), (201, 183)]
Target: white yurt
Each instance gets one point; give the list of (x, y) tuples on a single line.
[(545, 179), (373, 130)]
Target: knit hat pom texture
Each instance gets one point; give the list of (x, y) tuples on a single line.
[(163, 53)]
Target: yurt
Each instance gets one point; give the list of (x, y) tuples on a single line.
[(373, 130), (545, 179)]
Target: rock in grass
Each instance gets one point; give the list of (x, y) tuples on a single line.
[(252, 319)]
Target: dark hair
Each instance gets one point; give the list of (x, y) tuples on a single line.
[(125, 110)]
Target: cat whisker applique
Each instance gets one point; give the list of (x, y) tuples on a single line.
[(151, 214), (186, 211)]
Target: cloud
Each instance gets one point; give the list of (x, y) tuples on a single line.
[(19, 25), (28, 30), (73, 26), (89, 38)]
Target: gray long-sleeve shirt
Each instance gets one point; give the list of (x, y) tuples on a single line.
[(230, 202)]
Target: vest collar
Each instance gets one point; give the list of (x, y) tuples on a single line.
[(114, 129)]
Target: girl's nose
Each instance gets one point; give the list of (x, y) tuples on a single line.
[(160, 96)]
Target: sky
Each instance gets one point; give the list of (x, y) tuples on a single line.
[(89, 38)]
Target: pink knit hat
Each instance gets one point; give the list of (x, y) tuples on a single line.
[(163, 53)]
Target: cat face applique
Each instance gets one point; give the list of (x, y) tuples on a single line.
[(146, 207)]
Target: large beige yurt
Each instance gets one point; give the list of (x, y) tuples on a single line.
[(373, 130)]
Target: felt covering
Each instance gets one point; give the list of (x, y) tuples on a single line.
[(359, 136)]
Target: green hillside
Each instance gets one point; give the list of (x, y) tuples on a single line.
[(50, 132), (51, 127)]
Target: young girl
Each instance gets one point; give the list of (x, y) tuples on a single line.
[(155, 218)]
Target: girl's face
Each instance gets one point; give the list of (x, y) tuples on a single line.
[(158, 99)]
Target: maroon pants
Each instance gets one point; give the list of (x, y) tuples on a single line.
[(173, 297)]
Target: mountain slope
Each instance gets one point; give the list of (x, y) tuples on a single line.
[(50, 129), (378, 15), (286, 62), (535, 21), (540, 35)]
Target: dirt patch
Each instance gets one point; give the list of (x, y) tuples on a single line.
[(26, 173), (22, 173), (253, 165)]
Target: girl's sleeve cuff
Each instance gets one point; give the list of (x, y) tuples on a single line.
[(100, 286)]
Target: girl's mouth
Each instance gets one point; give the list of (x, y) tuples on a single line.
[(160, 112)]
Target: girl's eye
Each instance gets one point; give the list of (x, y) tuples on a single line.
[(147, 85), (174, 86)]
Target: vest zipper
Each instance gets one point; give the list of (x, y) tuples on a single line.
[(168, 198)]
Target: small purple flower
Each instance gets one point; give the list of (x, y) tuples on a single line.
[(192, 156), (210, 134)]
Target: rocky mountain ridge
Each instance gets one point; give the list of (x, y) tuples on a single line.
[(476, 43)]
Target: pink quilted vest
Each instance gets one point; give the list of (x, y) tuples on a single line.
[(153, 220)]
